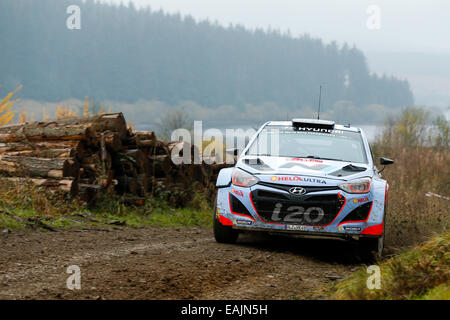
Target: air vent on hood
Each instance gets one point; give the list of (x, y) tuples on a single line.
[(347, 171), (257, 164)]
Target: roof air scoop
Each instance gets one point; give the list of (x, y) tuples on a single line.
[(313, 123)]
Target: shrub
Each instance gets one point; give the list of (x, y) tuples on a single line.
[(419, 169), (6, 114), (420, 273)]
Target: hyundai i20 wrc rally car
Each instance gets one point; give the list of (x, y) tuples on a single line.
[(304, 177)]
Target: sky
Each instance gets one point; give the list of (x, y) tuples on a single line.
[(412, 40)]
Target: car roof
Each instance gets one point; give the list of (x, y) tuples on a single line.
[(336, 126)]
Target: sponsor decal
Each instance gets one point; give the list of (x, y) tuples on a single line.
[(309, 166), (237, 192), (354, 229), (313, 180), (359, 200), (341, 228), (244, 222), (289, 178), (306, 162), (295, 227), (297, 179), (321, 130), (298, 191), (297, 214)]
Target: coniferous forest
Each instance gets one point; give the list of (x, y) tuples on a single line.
[(124, 54)]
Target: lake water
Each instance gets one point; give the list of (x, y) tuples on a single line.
[(371, 131)]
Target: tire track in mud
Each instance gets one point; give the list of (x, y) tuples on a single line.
[(40, 271), (165, 263)]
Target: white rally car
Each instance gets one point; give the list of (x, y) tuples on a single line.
[(310, 177)]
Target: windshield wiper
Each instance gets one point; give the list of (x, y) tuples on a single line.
[(289, 156), (260, 155)]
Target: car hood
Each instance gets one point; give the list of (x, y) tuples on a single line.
[(329, 169)]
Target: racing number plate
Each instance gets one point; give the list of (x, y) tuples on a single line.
[(295, 227)]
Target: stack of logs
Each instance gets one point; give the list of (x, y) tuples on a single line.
[(86, 156)]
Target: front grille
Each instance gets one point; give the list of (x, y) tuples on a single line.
[(314, 210), (307, 188)]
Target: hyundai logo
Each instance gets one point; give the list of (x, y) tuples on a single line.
[(298, 191)]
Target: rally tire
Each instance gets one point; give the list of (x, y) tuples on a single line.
[(223, 234), (373, 246)]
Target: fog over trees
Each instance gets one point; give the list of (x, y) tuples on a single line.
[(122, 54)]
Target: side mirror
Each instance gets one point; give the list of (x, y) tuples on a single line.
[(386, 161)]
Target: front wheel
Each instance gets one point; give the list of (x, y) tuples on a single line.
[(373, 246), (223, 234)]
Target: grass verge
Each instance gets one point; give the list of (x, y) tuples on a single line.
[(419, 273), (25, 206)]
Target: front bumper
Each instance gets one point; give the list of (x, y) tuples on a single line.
[(321, 211)]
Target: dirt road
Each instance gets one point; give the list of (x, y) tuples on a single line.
[(163, 263)]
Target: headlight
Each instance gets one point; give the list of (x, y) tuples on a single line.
[(243, 179), (356, 186)]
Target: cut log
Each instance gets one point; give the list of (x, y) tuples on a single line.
[(33, 146), (160, 165), (48, 131), (100, 154), (145, 135), (49, 153), (113, 141), (101, 123), (145, 139), (37, 167), (56, 174), (139, 159), (148, 143), (111, 122), (71, 168), (65, 129), (91, 159)]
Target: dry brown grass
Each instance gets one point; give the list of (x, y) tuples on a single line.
[(419, 168), (419, 273), (25, 196)]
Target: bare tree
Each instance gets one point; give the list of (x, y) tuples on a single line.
[(172, 120)]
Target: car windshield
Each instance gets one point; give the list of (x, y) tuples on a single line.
[(284, 141)]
